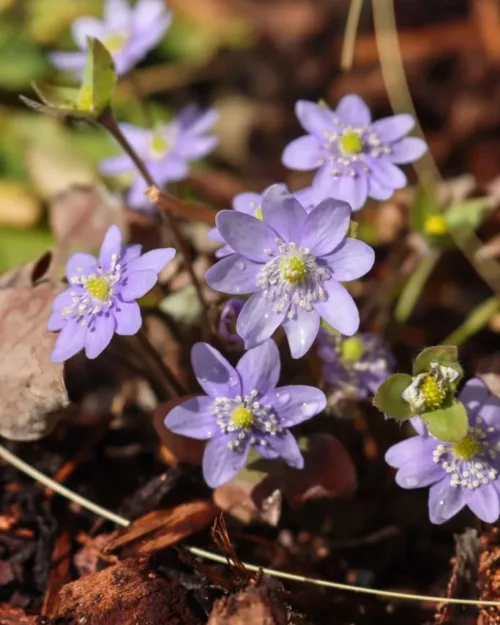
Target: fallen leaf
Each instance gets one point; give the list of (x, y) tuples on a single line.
[(238, 499), (176, 449)]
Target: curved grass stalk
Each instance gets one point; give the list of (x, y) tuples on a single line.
[(474, 323), (350, 34)]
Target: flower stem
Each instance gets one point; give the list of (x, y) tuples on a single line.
[(175, 386), (108, 122)]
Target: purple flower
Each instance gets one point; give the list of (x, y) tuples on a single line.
[(127, 32), (356, 157), (101, 297), (459, 474), (166, 151), (250, 203), (228, 318), (243, 408), (354, 366), (292, 262)]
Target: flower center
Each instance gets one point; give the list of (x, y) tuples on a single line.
[(158, 145), (98, 287), (351, 349), (351, 142), (467, 448), (242, 417), (115, 42), (293, 269), (434, 394), (436, 225)]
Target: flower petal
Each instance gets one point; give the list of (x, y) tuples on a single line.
[(484, 502), (326, 226), (70, 341), (80, 265), (283, 213), (66, 298), (257, 320), (193, 148), (350, 189), (283, 446), (216, 376), (339, 310), (394, 127), (296, 403), (117, 14), (233, 274), (155, 260), (193, 418), (224, 251), (146, 13), (401, 453), (84, 27), (112, 245), (445, 501), (420, 470), (259, 368), (419, 426), (353, 111), (351, 260), (301, 331), (130, 252), (247, 202), (116, 165), (137, 284), (474, 395), (136, 197), (304, 153), (99, 337), (378, 191), (221, 464), (247, 235), (68, 61), (387, 174), (56, 321), (128, 318), (172, 168), (407, 150), (196, 121), (314, 118)]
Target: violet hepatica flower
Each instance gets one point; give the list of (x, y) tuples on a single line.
[(166, 151), (100, 299), (355, 157), (459, 474), (354, 367), (128, 33), (292, 263), (243, 408)]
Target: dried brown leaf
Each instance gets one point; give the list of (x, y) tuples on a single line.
[(237, 498)]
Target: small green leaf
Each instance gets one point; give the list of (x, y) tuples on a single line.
[(99, 79), (448, 424), (388, 396), (440, 353), (63, 97)]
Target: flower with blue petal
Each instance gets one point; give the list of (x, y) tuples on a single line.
[(101, 298), (356, 157), (128, 33), (465, 473), (166, 150), (242, 408), (292, 263)]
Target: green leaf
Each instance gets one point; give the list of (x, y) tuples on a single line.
[(64, 97), (415, 284), (440, 353), (448, 424), (468, 213), (477, 319), (388, 396), (99, 79)]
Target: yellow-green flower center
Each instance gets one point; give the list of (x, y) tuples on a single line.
[(351, 349), (351, 142), (436, 225), (242, 417), (98, 287), (434, 396), (258, 213), (467, 448), (115, 42), (293, 269), (158, 145)]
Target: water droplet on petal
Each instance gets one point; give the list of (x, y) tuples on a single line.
[(410, 482), (309, 408), (233, 381), (283, 397), (240, 265)]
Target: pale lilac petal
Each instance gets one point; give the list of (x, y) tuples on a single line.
[(139, 137), (259, 368), (301, 331), (136, 196), (350, 189), (415, 446), (306, 198), (224, 251), (69, 342), (407, 150), (339, 310), (155, 260), (99, 337), (326, 226), (353, 111), (378, 191), (351, 260), (420, 470), (66, 298), (419, 426), (84, 27), (247, 235), (193, 418), (148, 12), (111, 246), (296, 403), (194, 148), (80, 264), (130, 252), (247, 202), (216, 376), (387, 174), (214, 235), (56, 321), (221, 464), (283, 213), (314, 118), (484, 502), (171, 169), (233, 274), (257, 320), (68, 61), (474, 395), (197, 122), (128, 318), (445, 501), (304, 153), (137, 284), (117, 165), (118, 14), (394, 127), (286, 447)]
